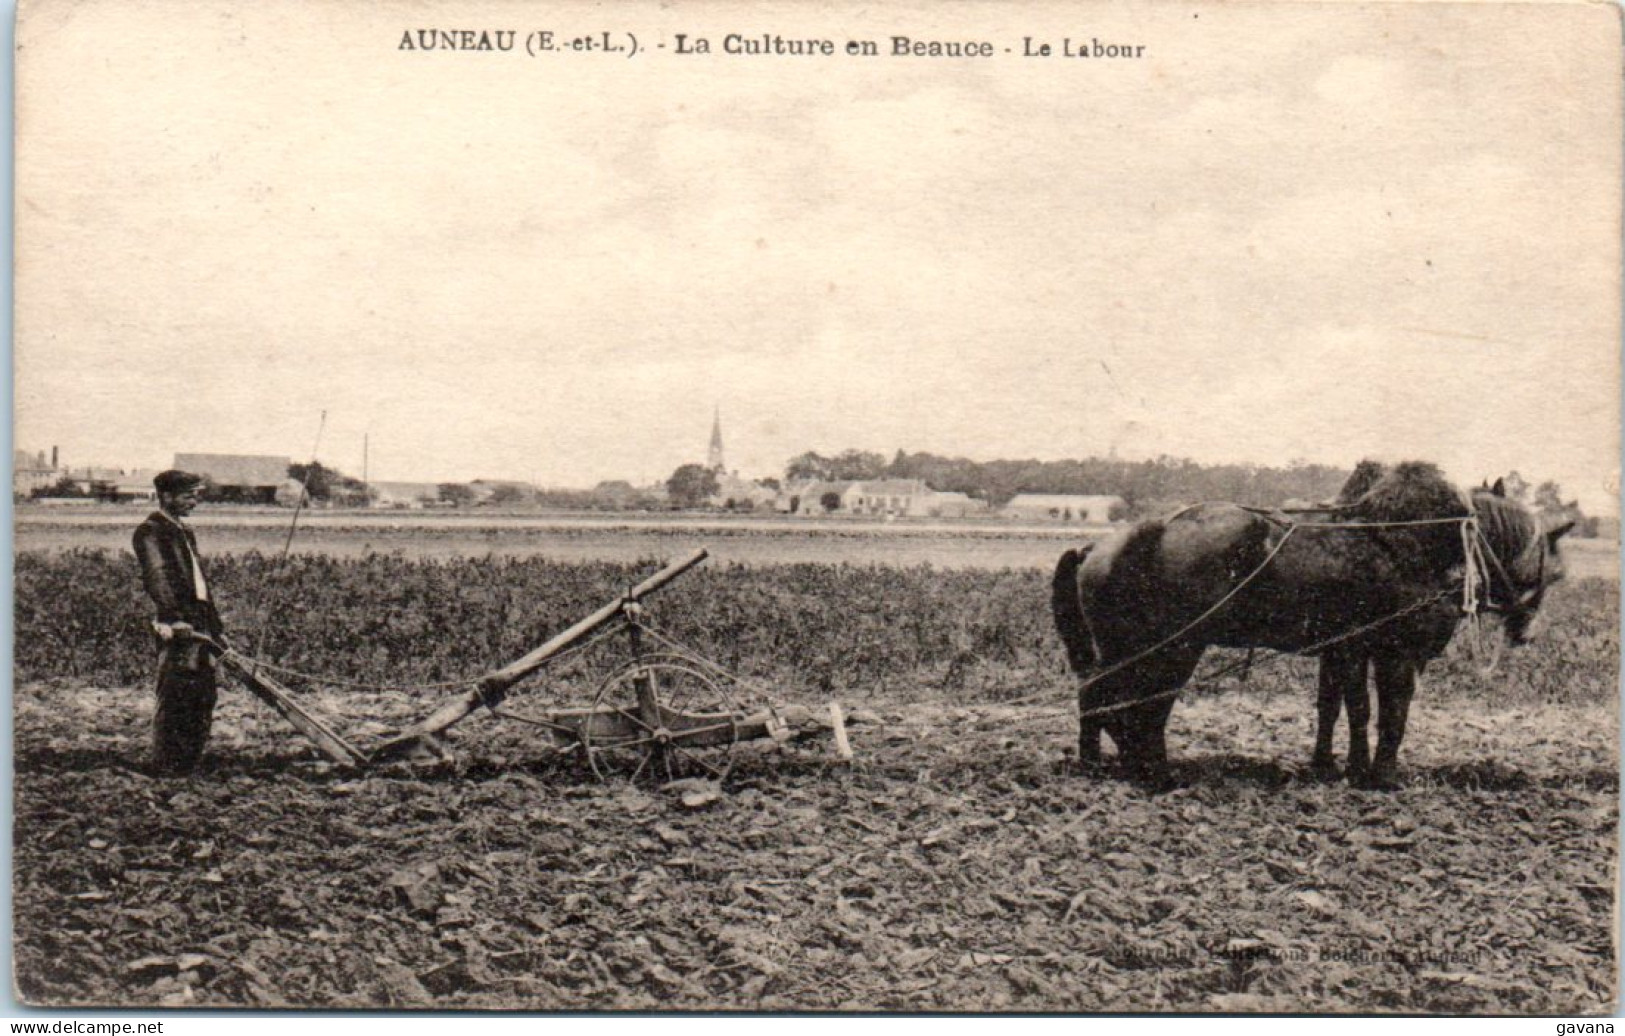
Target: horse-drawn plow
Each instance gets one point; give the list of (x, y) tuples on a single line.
[(664, 713)]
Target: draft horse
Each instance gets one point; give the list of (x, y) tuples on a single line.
[(1373, 585)]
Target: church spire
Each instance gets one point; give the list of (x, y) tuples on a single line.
[(713, 456)]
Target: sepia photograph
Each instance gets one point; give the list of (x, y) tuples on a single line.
[(811, 507)]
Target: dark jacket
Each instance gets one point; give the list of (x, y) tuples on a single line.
[(166, 551)]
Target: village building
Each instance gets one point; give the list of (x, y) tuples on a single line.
[(31, 471), (238, 478), (737, 493), (36, 472), (814, 497), (896, 497), (892, 498), (1066, 507), (135, 487), (93, 480)]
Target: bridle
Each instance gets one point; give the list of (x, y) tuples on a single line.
[(1518, 603)]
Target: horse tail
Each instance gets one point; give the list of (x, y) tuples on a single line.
[(1068, 609)]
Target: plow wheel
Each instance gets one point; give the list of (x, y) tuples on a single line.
[(661, 719)]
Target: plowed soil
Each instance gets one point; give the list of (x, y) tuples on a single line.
[(959, 863)]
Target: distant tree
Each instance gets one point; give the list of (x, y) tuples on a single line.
[(830, 501), (808, 467), (455, 493), (691, 485), (324, 484), (318, 479), (507, 494), (857, 465), (613, 494), (770, 483)]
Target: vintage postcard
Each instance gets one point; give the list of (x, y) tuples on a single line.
[(817, 506)]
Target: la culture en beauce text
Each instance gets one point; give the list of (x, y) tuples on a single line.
[(901, 47)]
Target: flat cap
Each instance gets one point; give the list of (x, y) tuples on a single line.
[(173, 481)]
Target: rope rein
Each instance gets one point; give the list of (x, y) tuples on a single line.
[(1141, 656)]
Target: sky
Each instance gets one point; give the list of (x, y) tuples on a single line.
[(1314, 231)]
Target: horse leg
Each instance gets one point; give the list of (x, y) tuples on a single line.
[(1090, 726), (1145, 727), (1334, 676), (1396, 685), (1357, 700), (1092, 721)]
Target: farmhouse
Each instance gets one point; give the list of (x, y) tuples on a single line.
[(239, 478), (811, 497), (135, 487), (1091, 510), (896, 497), (734, 492), (910, 498), (888, 496)]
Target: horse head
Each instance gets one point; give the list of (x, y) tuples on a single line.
[(1522, 556)]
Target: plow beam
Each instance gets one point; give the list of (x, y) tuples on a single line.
[(282, 701), (493, 687)]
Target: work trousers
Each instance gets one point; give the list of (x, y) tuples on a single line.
[(185, 712)]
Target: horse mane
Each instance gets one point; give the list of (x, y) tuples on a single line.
[(1508, 526)]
